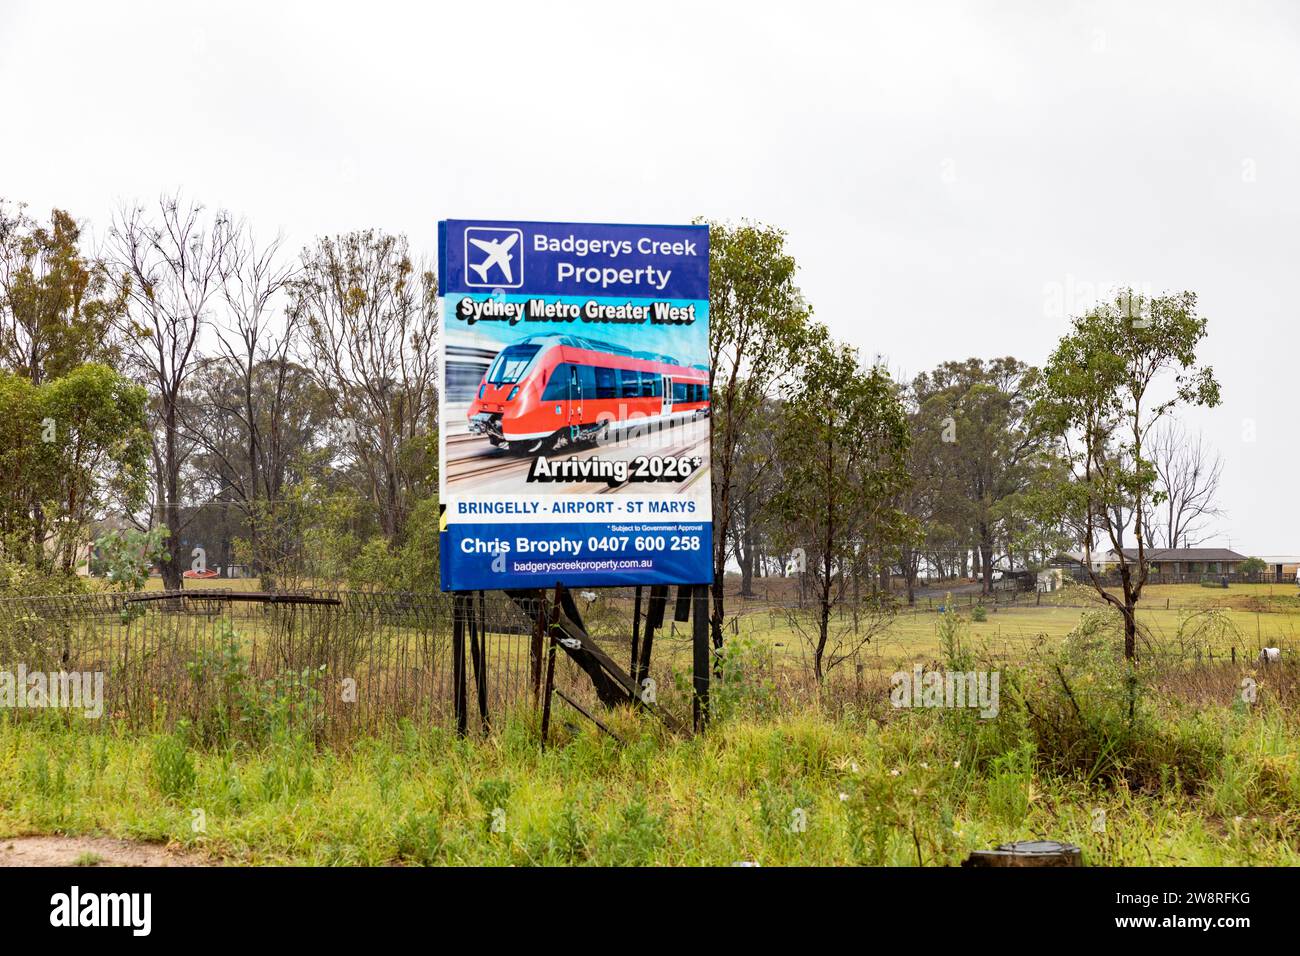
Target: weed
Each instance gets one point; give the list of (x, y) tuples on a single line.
[(173, 770)]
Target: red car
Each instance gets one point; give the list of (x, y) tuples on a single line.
[(546, 391)]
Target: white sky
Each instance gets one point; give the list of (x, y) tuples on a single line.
[(949, 175)]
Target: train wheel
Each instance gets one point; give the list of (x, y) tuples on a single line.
[(553, 442)]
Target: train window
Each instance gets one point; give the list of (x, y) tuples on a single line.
[(679, 393), (508, 367), (557, 388), (648, 380), (606, 382), (587, 376), (631, 383)]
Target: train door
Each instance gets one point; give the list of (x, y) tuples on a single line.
[(575, 402), (666, 406)]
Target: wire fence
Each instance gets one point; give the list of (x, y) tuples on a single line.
[(336, 664)]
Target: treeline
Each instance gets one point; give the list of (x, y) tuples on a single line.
[(194, 389), (208, 395), (828, 467)]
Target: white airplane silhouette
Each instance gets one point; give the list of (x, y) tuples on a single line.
[(498, 251)]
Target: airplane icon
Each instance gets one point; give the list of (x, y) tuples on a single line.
[(498, 254)]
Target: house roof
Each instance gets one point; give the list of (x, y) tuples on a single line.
[(1065, 557), (1186, 554)]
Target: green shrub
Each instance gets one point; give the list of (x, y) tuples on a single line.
[(634, 838), (1252, 566), (493, 796), (18, 579), (569, 842), (1093, 716), (745, 682), (419, 838), (173, 770)]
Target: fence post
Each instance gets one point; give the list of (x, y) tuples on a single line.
[(553, 620), (535, 648), (458, 663), (702, 645), (636, 632), (478, 651)]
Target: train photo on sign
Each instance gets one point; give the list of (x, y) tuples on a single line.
[(545, 392)]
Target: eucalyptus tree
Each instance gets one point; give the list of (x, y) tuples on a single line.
[(369, 314), (57, 307), (758, 330), (843, 441), (976, 420), (167, 264), (1124, 368)]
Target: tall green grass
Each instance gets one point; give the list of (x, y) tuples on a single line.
[(796, 789), (1137, 765)]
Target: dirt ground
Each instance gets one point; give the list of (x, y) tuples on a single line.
[(90, 851)]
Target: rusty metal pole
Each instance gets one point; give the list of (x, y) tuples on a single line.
[(458, 664), (702, 645)]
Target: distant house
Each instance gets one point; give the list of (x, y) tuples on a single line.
[(1173, 562), (1051, 579), (1162, 562), (1283, 567), (1075, 562)]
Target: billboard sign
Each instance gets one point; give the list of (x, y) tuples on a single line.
[(575, 405)]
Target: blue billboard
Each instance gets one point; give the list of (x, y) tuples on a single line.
[(575, 405)]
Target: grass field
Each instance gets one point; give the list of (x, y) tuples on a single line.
[(1249, 617), (800, 789), (1195, 775)]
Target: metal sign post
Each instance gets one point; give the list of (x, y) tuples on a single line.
[(574, 440)]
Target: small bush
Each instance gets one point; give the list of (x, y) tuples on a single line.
[(173, 770), (746, 682), (1093, 716), (634, 838), (419, 838), (569, 842), (493, 796)]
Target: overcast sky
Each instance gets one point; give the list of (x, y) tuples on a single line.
[(954, 179)]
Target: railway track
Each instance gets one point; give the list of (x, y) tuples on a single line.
[(494, 464)]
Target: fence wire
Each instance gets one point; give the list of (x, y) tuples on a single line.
[(337, 663)]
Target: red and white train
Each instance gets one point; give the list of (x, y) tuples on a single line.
[(547, 391)]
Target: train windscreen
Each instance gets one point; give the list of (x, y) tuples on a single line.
[(508, 367)]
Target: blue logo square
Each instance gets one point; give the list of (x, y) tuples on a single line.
[(494, 257)]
